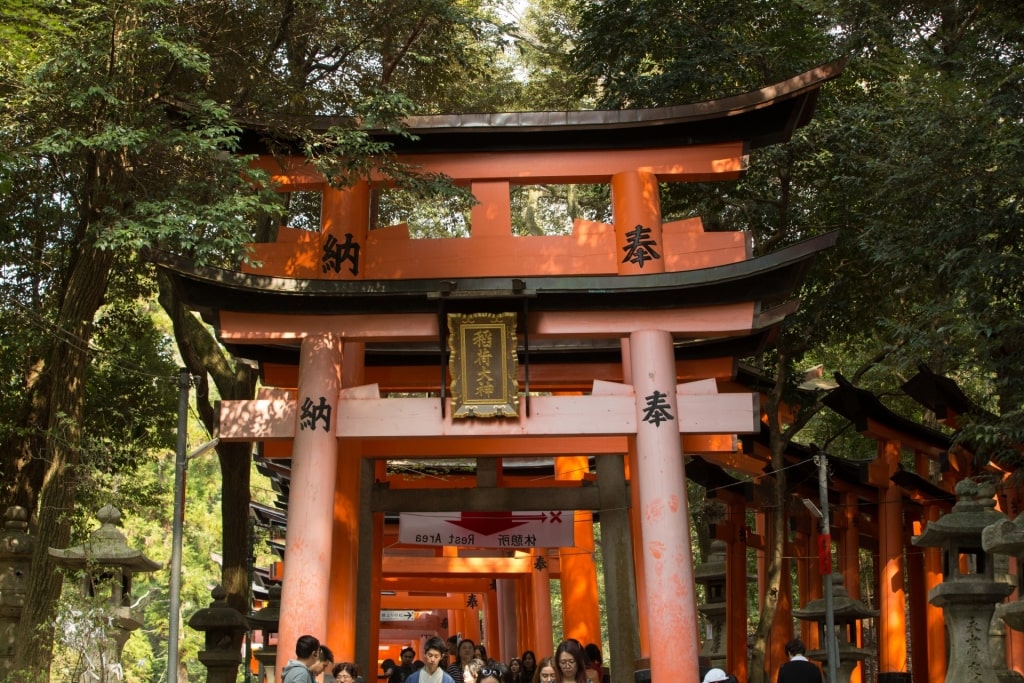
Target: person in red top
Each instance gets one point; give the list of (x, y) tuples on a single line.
[(798, 669)]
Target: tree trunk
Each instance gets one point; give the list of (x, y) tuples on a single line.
[(66, 370), (206, 358), (775, 542)]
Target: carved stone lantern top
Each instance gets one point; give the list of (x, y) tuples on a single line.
[(975, 509), (106, 547), (15, 541), (844, 608), (714, 568)]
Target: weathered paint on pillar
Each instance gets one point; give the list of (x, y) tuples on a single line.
[(636, 205), (341, 633), (307, 568), (664, 513), (892, 621)]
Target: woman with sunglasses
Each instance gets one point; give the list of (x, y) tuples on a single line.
[(547, 671), (472, 668), (515, 671), (495, 672)]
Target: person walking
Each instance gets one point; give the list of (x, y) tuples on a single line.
[(715, 675), (798, 669), (529, 665), (547, 671), (466, 652), (307, 656), (572, 662), (432, 672)]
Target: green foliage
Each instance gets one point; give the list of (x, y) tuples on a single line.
[(654, 53)]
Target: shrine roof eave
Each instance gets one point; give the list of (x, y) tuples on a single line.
[(859, 406), (540, 352), (914, 483), (940, 394), (760, 118), (768, 280)]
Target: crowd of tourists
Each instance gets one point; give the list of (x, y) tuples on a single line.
[(464, 661)]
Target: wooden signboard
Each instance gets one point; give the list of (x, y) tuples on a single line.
[(483, 364)]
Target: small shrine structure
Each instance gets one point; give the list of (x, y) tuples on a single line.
[(108, 565)]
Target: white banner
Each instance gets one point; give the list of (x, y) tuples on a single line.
[(509, 530)]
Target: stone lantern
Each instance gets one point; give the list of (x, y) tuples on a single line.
[(16, 547), (266, 621), (224, 627), (711, 575), (108, 565), (847, 613), (1007, 538), (971, 587)]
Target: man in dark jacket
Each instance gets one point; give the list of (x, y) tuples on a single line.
[(798, 669)]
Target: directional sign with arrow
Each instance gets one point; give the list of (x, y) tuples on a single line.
[(499, 529)]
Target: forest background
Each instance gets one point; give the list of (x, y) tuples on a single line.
[(115, 120)]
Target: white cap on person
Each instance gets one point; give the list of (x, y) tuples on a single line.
[(715, 675)]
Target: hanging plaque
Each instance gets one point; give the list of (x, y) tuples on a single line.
[(483, 364)]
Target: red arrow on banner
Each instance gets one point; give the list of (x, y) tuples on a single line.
[(490, 523)]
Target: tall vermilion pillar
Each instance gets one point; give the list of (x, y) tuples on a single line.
[(636, 528), (736, 591), (664, 513), (936, 619), (492, 625), (848, 561), (341, 635), (809, 581), (540, 579), (581, 615), (892, 602), (307, 567)]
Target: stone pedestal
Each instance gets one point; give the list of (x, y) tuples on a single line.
[(16, 547), (224, 627), (971, 587)]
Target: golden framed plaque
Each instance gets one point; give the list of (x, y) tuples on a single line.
[(483, 364)]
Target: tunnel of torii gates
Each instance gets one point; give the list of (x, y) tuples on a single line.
[(531, 358)]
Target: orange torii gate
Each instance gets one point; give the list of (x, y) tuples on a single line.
[(631, 329)]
